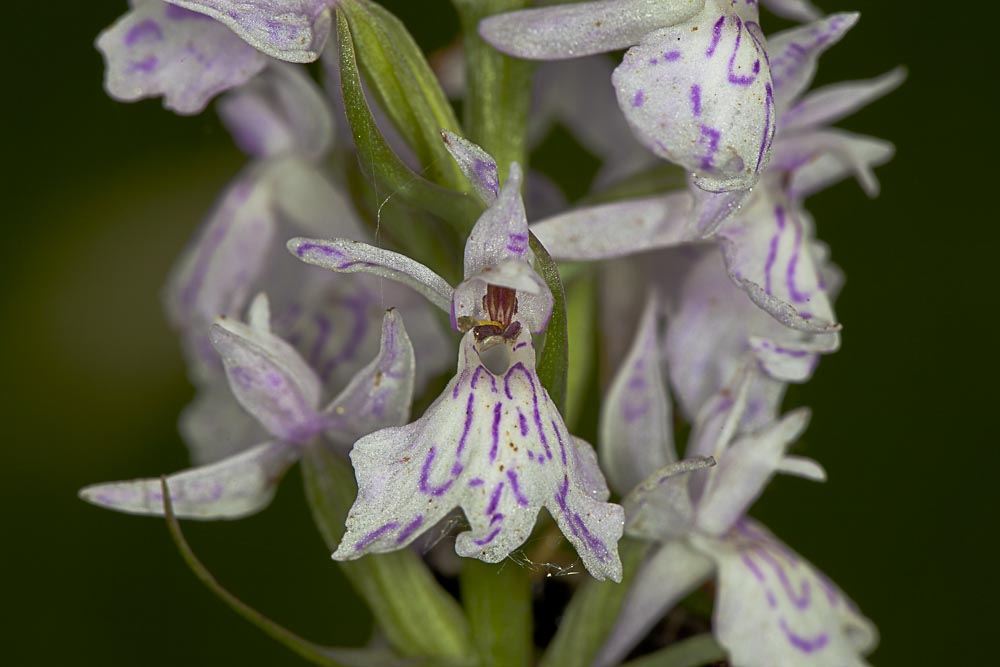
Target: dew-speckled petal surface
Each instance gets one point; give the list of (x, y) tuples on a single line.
[(775, 608), (159, 49), (292, 30), (699, 94), (618, 229), (477, 165), (228, 489), (495, 446), (347, 256), (582, 28), (380, 394)]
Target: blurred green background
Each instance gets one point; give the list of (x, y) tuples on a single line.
[(100, 197)]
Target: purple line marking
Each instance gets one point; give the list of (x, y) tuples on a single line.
[(768, 125), (519, 366), (495, 499), (489, 538), (796, 296), (458, 385), (410, 529), (476, 481), (375, 534), (671, 56), (333, 252), (475, 378), (146, 65), (522, 422), (804, 644), (738, 79), (576, 525), (520, 345), (496, 431), (716, 36), (515, 487), (638, 99), (696, 99), (142, 30), (562, 445), (457, 467), (800, 599), (713, 136), (424, 484)]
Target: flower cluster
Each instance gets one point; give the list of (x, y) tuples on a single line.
[(716, 295)]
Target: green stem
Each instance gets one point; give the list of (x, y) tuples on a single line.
[(418, 617), (592, 612), (498, 92), (497, 600)]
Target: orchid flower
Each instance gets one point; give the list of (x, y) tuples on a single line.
[(160, 49), (772, 607), (769, 244), (493, 443), (275, 385), (695, 86)]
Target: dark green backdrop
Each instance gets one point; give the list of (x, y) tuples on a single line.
[(99, 197)]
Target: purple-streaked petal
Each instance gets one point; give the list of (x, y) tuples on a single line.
[(494, 445), (216, 272), (477, 165), (584, 28), (794, 53), (700, 95), (215, 426), (292, 30), (281, 111), (827, 105), (229, 489), (796, 10), (534, 298), (711, 332), (768, 253), (671, 572), (636, 425), (501, 233), (269, 378), (660, 508), (618, 229), (775, 608), (379, 395), (793, 361), (156, 49), (828, 156), (347, 256), (744, 469)]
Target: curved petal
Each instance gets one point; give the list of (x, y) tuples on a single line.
[(774, 608), (670, 573), (157, 49), (660, 508), (269, 379), (292, 30), (380, 394), (827, 156), (281, 111), (215, 274), (618, 229), (700, 95), (501, 233), (583, 28), (743, 471), (794, 53), (229, 489), (494, 445), (636, 427), (827, 105), (347, 256), (768, 253), (477, 165), (534, 298)]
